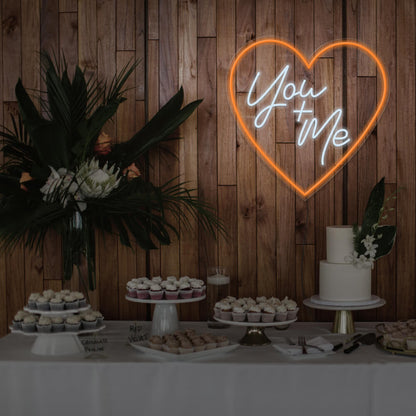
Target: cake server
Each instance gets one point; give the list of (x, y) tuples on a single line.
[(367, 339), (345, 343)]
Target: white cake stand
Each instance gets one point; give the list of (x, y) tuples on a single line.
[(255, 335), (343, 322), (165, 317), (57, 343)]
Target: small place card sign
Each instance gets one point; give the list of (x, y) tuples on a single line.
[(295, 97), (94, 343), (137, 333)]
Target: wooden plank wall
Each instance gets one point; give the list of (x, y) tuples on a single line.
[(276, 239)]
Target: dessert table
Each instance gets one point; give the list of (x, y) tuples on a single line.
[(120, 380)]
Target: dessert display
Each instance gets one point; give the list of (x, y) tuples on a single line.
[(186, 342), (339, 279), (29, 322), (261, 309), (50, 300), (398, 335), (170, 289)]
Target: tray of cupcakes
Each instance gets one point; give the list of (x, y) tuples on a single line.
[(27, 323), (398, 337), (261, 311), (169, 290), (185, 345), (54, 303)]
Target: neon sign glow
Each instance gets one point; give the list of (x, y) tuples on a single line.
[(281, 91)]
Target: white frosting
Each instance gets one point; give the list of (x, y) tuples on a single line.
[(281, 308), (56, 300), (218, 280), (89, 317), (57, 320), (171, 288), (184, 286), (344, 282), (30, 319), (171, 279), (339, 243), (143, 286), (254, 308), (34, 296), (238, 309), (155, 287), (42, 299), (269, 309), (44, 320), (73, 319), (157, 279)]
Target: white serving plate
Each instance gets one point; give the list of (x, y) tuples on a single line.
[(165, 301), (257, 324), (56, 313), (142, 346), (316, 299), (61, 333)]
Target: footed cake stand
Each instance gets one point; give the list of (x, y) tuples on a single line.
[(165, 317), (57, 343), (343, 322), (255, 335)]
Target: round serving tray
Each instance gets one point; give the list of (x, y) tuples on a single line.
[(56, 313), (165, 301), (255, 335), (61, 333), (394, 351), (316, 299), (344, 306)]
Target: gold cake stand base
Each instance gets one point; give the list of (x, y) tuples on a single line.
[(254, 336), (343, 323)]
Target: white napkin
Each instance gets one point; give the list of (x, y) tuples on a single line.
[(296, 350)]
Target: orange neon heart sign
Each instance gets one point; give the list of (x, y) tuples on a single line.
[(350, 151)]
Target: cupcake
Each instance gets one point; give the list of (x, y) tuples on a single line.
[(131, 289), (44, 325), (185, 347), (254, 314), (156, 292), (281, 313), (89, 321), (155, 342), (157, 279), (171, 346), (268, 314), (79, 296), (32, 300), (197, 288), (185, 291), (217, 310), (210, 341), (57, 324), (18, 320), (198, 343), (171, 292), (65, 292), (292, 309), (238, 314), (57, 304), (29, 323), (73, 323), (142, 291), (99, 316), (48, 294), (171, 279), (261, 299), (226, 311), (163, 284), (184, 279), (71, 302), (222, 341), (42, 304)]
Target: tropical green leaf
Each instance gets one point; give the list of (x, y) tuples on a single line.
[(385, 238)]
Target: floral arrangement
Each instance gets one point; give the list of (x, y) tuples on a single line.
[(372, 240), (61, 171)]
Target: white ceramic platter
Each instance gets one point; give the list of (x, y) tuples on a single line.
[(257, 324), (165, 301)]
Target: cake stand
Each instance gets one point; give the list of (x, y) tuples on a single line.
[(343, 322), (255, 335), (57, 343), (165, 317)]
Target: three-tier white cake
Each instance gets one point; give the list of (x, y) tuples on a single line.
[(339, 279)]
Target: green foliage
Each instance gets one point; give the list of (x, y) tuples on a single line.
[(62, 137)]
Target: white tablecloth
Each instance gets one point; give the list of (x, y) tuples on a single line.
[(247, 381)]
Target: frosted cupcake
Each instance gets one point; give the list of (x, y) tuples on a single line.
[(197, 288), (29, 323), (226, 311), (292, 309), (156, 292), (238, 314), (217, 310), (254, 314), (42, 304), (171, 292), (198, 343), (73, 323), (222, 341), (99, 316), (268, 314), (89, 321), (261, 299), (210, 341), (281, 313), (157, 279), (57, 304), (57, 324), (71, 302), (171, 279), (155, 342), (184, 279), (44, 325), (142, 291), (185, 291), (32, 300), (79, 296), (18, 320), (131, 289)]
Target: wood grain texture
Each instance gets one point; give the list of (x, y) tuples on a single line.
[(275, 239)]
